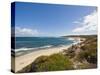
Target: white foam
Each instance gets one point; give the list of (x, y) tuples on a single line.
[(71, 39), (25, 49)]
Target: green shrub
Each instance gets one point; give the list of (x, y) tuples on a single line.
[(89, 55), (52, 63)]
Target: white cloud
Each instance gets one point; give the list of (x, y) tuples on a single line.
[(25, 32), (88, 24)]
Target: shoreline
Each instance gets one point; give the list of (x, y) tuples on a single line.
[(21, 53), (22, 61)]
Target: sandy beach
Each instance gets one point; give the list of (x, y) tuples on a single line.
[(22, 61)]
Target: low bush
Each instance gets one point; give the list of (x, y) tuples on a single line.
[(54, 62)]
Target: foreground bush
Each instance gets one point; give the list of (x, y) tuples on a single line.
[(52, 63), (90, 56)]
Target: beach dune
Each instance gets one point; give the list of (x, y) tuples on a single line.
[(24, 60)]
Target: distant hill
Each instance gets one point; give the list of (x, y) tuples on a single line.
[(80, 36)]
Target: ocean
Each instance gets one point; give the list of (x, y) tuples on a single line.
[(27, 44)]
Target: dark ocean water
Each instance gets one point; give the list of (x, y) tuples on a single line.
[(33, 43)]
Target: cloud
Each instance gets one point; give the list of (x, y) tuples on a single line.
[(88, 23), (25, 31)]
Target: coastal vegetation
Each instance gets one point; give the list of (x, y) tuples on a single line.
[(88, 51), (79, 56), (50, 63)]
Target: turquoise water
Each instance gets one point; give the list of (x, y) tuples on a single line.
[(33, 43)]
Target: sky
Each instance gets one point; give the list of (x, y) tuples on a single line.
[(36, 19)]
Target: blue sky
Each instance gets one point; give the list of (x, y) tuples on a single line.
[(34, 19)]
